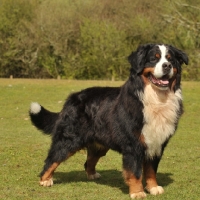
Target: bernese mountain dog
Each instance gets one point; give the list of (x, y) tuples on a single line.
[(136, 120)]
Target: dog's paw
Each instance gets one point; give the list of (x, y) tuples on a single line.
[(47, 183), (94, 176), (138, 195), (156, 190)]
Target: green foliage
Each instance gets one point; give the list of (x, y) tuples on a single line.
[(13, 14), (102, 49), (91, 39)]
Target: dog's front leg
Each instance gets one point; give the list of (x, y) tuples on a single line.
[(150, 170), (132, 173)]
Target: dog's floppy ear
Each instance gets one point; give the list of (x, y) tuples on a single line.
[(137, 58), (180, 55), (132, 58)]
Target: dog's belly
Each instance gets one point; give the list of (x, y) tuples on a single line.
[(161, 113)]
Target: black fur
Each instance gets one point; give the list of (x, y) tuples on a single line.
[(110, 117), (44, 120)]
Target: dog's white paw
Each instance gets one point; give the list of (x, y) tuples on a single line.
[(47, 183), (156, 190), (94, 176), (138, 195)]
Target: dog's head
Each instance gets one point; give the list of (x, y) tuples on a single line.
[(159, 65)]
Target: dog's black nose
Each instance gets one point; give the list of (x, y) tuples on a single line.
[(166, 67)]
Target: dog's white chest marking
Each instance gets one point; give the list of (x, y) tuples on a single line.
[(160, 116)]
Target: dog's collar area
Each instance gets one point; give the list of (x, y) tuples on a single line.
[(159, 82)]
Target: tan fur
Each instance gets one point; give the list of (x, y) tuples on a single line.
[(91, 163), (135, 184), (149, 176), (160, 115), (46, 179)]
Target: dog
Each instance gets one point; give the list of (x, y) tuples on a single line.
[(137, 120)]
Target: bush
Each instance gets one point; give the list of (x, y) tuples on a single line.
[(91, 39)]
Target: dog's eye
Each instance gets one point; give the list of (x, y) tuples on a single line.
[(153, 59)]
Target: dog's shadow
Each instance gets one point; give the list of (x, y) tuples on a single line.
[(112, 178)]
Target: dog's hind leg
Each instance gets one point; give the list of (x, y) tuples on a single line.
[(55, 157), (94, 152)]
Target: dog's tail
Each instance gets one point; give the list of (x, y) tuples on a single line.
[(43, 119)]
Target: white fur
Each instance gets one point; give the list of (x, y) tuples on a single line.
[(160, 116), (94, 176), (156, 190), (47, 183), (35, 108), (138, 195), (158, 71)]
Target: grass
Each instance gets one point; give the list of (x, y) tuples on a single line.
[(23, 149)]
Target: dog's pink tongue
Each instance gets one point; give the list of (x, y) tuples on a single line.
[(160, 81), (164, 82)]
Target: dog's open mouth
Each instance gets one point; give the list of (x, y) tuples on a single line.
[(161, 82)]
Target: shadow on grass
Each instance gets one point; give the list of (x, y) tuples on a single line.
[(112, 178)]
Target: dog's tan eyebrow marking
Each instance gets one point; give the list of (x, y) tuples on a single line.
[(168, 56), (157, 55)]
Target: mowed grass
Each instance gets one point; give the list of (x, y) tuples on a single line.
[(23, 148)]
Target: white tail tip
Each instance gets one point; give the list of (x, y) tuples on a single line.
[(35, 108)]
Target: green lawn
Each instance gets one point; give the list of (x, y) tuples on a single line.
[(23, 149)]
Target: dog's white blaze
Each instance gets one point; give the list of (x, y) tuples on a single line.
[(35, 108), (158, 71), (160, 116)]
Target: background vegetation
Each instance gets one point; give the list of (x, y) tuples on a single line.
[(23, 149), (91, 39)]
